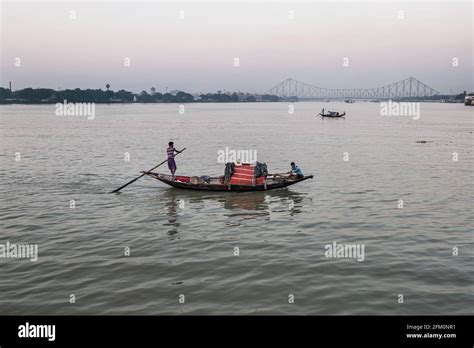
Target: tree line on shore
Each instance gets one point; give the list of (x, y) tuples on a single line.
[(47, 96)]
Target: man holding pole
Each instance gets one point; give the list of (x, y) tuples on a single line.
[(171, 162), (171, 166)]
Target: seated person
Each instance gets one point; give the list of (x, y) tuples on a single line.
[(296, 171)]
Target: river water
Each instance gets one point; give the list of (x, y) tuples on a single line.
[(391, 184)]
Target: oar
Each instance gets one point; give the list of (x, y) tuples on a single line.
[(130, 182)]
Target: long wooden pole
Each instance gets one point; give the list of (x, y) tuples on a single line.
[(132, 181)]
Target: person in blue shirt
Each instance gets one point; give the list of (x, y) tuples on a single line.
[(295, 171)]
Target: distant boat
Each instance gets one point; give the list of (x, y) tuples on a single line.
[(333, 114), (350, 101)]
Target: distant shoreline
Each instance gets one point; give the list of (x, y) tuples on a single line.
[(441, 101), (99, 96), (48, 96), (194, 102)]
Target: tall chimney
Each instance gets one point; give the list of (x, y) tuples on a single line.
[(10, 86)]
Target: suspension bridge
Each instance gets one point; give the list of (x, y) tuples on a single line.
[(408, 88)]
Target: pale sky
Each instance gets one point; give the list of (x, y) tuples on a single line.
[(196, 53)]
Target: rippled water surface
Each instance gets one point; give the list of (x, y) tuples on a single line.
[(190, 250)]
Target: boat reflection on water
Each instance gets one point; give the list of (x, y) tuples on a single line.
[(237, 206), (171, 207), (244, 201)]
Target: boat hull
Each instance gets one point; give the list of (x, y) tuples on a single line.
[(329, 116), (271, 184)]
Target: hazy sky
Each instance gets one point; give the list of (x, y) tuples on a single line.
[(196, 53)]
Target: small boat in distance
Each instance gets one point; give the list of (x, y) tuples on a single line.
[(333, 114), (350, 101)]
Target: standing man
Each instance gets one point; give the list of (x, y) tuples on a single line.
[(171, 163)]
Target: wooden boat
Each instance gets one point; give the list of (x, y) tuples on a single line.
[(215, 183), (332, 114)]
